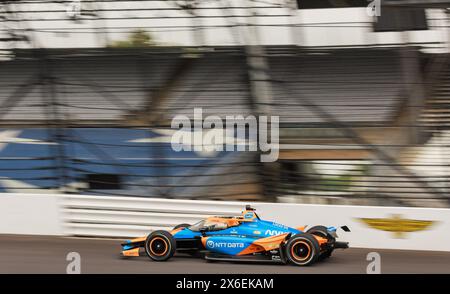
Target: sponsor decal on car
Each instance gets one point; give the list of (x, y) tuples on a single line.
[(273, 232), (279, 225), (212, 244), (248, 215)]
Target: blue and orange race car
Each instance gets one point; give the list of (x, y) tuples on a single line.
[(241, 238)]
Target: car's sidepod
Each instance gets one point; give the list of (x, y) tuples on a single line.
[(231, 245)]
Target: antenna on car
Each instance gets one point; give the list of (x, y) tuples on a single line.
[(249, 208)]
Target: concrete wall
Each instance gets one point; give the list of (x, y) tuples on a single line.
[(30, 214), (108, 216)]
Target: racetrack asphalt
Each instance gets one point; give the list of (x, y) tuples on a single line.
[(31, 254)]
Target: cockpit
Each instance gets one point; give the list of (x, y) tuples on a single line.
[(217, 223), (214, 224), (208, 225)]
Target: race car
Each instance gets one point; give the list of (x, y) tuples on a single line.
[(245, 238)]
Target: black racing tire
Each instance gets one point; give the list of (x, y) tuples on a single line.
[(322, 231), (181, 226), (302, 249), (160, 245)]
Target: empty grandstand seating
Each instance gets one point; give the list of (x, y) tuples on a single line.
[(354, 85)]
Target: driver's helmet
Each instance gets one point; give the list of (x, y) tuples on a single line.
[(249, 215)]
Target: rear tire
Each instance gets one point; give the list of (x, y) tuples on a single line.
[(322, 231), (302, 249), (160, 246)]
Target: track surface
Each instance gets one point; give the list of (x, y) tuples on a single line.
[(25, 254)]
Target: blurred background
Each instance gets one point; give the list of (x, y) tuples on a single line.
[(88, 90)]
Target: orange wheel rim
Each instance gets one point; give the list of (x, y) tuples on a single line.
[(301, 251), (156, 247)]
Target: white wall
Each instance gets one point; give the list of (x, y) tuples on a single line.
[(30, 214)]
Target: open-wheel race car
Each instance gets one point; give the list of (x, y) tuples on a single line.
[(240, 238)]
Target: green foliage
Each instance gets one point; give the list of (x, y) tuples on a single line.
[(341, 182), (137, 39), (344, 181)]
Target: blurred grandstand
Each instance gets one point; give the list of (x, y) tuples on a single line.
[(364, 117)]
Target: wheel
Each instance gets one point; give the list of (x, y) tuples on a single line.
[(302, 249), (322, 231), (160, 245), (181, 226)]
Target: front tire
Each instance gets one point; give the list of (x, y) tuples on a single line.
[(302, 249), (160, 246)]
